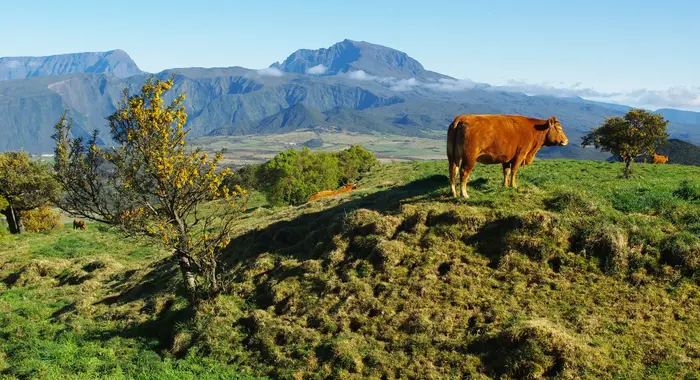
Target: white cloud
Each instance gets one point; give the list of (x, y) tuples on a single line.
[(451, 85), (317, 70), (404, 84), (548, 90), (443, 84), (270, 72), (674, 97), (360, 75)]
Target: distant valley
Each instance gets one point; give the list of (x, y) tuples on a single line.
[(353, 87)]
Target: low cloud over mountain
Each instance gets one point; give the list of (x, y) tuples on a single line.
[(674, 97)]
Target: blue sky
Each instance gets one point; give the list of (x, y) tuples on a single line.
[(614, 49)]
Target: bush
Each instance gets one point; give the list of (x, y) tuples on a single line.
[(245, 177), (354, 162), (41, 219), (293, 176)]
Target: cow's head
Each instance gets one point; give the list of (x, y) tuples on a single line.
[(555, 133)]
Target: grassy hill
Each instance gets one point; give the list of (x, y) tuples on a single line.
[(681, 152), (576, 274)]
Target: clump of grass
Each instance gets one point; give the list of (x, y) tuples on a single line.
[(608, 244), (689, 190), (535, 349), (648, 200), (683, 250), (35, 271), (537, 235), (574, 201), (366, 222)]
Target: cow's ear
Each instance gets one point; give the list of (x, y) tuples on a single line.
[(552, 121)]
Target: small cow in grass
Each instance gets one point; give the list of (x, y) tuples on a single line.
[(659, 159), (79, 224), (330, 193)]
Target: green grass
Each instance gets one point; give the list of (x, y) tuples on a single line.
[(64, 314), (576, 274)]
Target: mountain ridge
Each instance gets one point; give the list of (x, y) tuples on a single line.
[(386, 98), (348, 56), (114, 62)]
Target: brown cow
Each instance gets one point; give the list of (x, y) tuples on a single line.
[(330, 193), (79, 224), (509, 140), (659, 159)]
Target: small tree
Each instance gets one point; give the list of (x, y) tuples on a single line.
[(354, 162), (638, 132), (41, 219), (25, 185), (149, 184)]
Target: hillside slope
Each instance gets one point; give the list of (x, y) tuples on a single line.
[(577, 274), (681, 152)]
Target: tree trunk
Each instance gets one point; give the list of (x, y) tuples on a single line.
[(188, 275), (628, 167), (212, 277), (14, 220)]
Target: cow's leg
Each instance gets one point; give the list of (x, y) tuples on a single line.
[(467, 166), (514, 171), (453, 177), (506, 174)]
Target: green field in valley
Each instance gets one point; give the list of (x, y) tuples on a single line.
[(255, 149)]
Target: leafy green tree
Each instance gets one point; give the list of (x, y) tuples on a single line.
[(354, 162), (150, 184), (24, 185), (639, 132)]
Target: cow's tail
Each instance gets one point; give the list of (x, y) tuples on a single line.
[(453, 132), (454, 151)]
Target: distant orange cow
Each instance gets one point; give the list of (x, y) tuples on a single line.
[(659, 159), (79, 224), (331, 193), (509, 140)]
